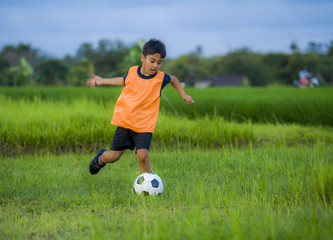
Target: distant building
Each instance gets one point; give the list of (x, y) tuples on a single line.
[(222, 81)]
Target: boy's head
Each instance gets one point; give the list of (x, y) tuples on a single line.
[(154, 46), (152, 56)]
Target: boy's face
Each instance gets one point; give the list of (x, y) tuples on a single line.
[(151, 63)]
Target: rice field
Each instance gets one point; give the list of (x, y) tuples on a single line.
[(277, 105), (225, 177)]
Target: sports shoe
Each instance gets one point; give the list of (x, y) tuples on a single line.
[(94, 166)]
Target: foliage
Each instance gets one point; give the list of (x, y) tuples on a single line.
[(245, 62), (277, 63), (52, 72), (107, 58), (134, 56), (12, 55), (187, 69), (80, 72), (20, 74), (113, 58)]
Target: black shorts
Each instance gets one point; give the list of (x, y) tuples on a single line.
[(127, 139)]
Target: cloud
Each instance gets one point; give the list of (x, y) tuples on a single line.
[(60, 27)]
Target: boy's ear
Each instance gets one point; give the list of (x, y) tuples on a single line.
[(142, 57)]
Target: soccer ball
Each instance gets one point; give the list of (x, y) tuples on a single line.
[(148, 184)]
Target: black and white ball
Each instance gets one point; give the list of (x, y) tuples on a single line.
[(148, 184)]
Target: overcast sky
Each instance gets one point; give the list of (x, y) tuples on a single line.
[(59, 27)]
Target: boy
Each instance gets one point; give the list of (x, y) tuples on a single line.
[(137, 107)]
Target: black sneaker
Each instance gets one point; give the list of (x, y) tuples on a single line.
[(94, 166)]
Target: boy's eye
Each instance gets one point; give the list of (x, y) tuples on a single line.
[(159, 63)]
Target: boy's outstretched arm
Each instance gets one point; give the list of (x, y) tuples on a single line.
[(99, 81), (176, 84)]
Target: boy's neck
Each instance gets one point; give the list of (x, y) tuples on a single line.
[(142, 71), (139, 72)]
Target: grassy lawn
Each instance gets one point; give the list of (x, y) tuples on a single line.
[(264, 193)]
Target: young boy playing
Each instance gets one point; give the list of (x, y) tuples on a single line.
[(137, 107)]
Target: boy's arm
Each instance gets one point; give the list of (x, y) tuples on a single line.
[(99, 81), (176, 84)]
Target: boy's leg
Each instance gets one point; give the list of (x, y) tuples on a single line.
[(95, 165), (111, 156), (102, 157), (143, 158)]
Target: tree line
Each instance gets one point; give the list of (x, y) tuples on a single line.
[(22, 64)]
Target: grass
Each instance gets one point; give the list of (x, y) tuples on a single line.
[(82, 124), (283, 105), (265, 193), (261, 176)]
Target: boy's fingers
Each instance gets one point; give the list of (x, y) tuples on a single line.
[(91, 82), (88, 82), (189, 100)]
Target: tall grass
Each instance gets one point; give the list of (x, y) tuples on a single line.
[(259, 105), (83, 124), (264, 193)]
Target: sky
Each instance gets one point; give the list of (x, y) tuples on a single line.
[(60, 27)]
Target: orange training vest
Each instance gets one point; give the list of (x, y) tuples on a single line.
[(138, 104)]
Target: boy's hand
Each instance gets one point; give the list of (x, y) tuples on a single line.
[(188, 99), (94, 81)]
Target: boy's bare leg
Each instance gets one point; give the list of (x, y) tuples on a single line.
[(143, 158), (111, 156)]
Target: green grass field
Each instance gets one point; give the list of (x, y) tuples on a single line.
[(223, 178)]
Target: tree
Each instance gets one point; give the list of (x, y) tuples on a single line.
[(245, 62), (20, 74), (14, 59), (294, 48), (3, 66), (22, 64), (277, 64), (316, 48), (14, 54), (80, 72), (86, 51), (52, 72), (330, 51), (134, 55), (188, 68), (107, 58)]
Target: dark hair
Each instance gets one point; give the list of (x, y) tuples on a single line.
[(154, 46)]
